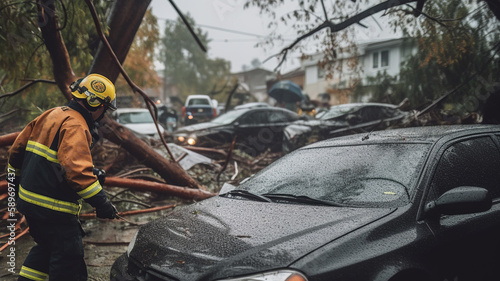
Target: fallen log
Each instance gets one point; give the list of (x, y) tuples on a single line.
[(128, 213), (143, 185), (8, 139)]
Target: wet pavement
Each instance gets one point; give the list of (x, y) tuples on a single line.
[(104, 242)]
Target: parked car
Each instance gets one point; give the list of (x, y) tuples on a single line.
[(255, 128), (342, 120), (413, 204), (138, 120), (198, 108)]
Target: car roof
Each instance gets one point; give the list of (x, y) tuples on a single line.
[(252, 104), (198, 96), (360, 104), (429, 134), (132, 109)]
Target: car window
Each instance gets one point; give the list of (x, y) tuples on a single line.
[(371, 113), (135, 117), (278, 117), (254, 117), (198, 102), (338, 110), (474, 162), (375, 175), (229, 116)]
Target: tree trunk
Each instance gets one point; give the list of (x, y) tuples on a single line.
[(8, 139), (131, 11), (170, 171), (61, 67), (143, 185), (123, 21)]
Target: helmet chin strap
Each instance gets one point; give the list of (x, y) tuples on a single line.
[(101, 116)]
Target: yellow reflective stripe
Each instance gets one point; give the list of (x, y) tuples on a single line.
[(42, 150), (90, 191), (47, 202), (17, 172), (33, 274)]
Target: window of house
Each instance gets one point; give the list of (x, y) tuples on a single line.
[(384, 58), (375, 60)]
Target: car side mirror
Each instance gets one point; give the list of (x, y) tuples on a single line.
[(461, 200), (236, 124)]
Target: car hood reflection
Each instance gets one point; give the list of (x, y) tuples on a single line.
[(218, 236)]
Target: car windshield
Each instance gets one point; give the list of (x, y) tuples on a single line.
[(135, 117), (338, 110), (374, 175), (228, 117)]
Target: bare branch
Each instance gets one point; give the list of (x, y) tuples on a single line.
[(33, 82), (341, 26)]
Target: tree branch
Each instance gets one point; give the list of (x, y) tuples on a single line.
[(63, 73), (33, 82), (188, 26), (149, 103), (342, 25)]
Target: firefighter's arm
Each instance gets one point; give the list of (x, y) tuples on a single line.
[(75, 158)]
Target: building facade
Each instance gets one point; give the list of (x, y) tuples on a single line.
[(348, 70)]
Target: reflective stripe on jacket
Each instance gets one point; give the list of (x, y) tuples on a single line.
[(53, 156)]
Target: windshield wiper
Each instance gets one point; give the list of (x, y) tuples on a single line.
[(301, 199), (248, 195)]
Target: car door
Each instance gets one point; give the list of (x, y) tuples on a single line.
[(252, 132), (468, 244)]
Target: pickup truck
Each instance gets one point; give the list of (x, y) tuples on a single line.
[(198, 108)]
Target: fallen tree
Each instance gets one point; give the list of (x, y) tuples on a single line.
[(108, 60)]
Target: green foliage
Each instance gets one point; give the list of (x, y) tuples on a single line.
[(24, 56), (186, 65), (458, 52)]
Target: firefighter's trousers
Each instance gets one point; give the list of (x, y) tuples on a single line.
[(58, 254)]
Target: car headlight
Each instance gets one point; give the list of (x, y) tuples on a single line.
[(279, 275), (191, 140), (181, 139), (131, 244)]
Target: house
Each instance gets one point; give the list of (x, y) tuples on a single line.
[(369, 59), (255, 81)]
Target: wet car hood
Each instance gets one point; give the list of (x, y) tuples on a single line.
[(222, 237), (198, 127)]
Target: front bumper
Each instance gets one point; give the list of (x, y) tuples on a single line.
[(119, 270)]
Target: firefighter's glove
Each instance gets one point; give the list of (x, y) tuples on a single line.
[(101, 175), (107, 211)]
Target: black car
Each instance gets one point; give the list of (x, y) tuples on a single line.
[(414, 204), (256, 129), (340, 120)]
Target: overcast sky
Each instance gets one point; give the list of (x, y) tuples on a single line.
[(234, 31)]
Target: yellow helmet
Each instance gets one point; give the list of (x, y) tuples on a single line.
[(96, 89)]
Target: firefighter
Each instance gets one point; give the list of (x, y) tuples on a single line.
[(54, 173)]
